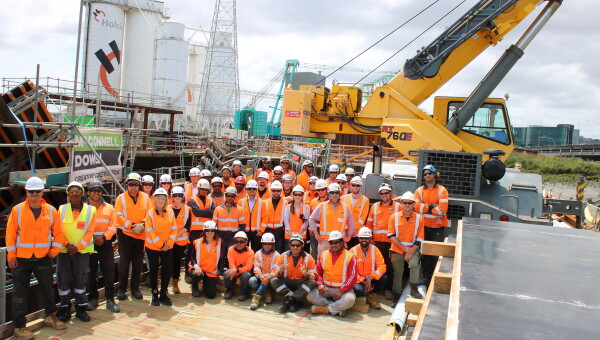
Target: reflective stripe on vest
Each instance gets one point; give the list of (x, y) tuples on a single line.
[(323, 222), (157, 238), (285, 262), (124, 204), (418, 220), (259, 264), (372, 252), (198, 222), (198, 243), (362, 206), (326, 269), (34, 245), (375, 207), (72, 232), (256, 225)]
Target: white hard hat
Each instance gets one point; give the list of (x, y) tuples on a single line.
[(349, 171), (407, 196), (34, 183), (365, 232), (307, 162), (166, 178), (267, 238), (203, 184), (384, 186), (147, 179), (356, 180), (194, 172), (313, 179), (236, 162), (276, 185), (334, 168), (231, 190), (205, 173), (341, 177), (210, 225), (251, 184), (177, 190), (75, 184), (335, 235), (134, 176), (334, 187), (287, 177), (298, 188), (216, 180), (278, 168), (296, 237), (263, 174), (321, 184), (241, 234), (225, 168), (161, 191)]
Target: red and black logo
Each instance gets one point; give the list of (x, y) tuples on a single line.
[(98, 12), (107, 67)]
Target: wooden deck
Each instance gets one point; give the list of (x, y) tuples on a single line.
[(200, 318)]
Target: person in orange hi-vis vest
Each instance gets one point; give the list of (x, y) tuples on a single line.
[(191, 189), (273, 217), (264, 263), (236, 168), (263, 188), (307, 171), (296, 214), (349, 172), (294, 275), (217, 194), (254, 210), (321, 190), (406, 231), (202, 208), (166, 182), (73, 261), (336, 277), (277, 174), (378, 220), (288, 184), (148, 185), (287, 168), (207, 257), (106, 228), (240, 262), (183, 220), (333, 215), (334, 170), (343, 182), (131, 207), (432, 203), (359, 205), (371, 268), (229, 217), (265, 168), (240, 187), (311, 192), (161, 231), (34, 236), (228, 181)]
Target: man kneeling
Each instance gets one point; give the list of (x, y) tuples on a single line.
[(294, 275), (336, 276), (371, 268), (241, 261)]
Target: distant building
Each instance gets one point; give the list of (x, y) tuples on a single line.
[(535, 135)]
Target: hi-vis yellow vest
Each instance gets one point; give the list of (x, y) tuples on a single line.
[(75, 229)]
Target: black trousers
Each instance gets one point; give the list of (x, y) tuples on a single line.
[(280, 242), (131, 251), (428, 262), (244, 279), (163, 260), (384, 248), (72, 273), (178, 256), (255, 244), (194, 235), (42, 269), (209, 284), (105, 256)]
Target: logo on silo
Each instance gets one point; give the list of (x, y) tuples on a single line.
[(98, 12), (106, 66)]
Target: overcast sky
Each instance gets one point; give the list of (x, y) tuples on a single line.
[(557, 80)]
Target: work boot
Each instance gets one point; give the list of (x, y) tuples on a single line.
[(268, 297), (155, 301), (112, 306), (23, 333), (295, 306), (92, 304), (319, 310), (285, 305), (52, 321), (388, 295), (175, 285), (228, 294), (121, 294), (342, 313), (64, 313), (414, 292), (255, 302), (136, 293), (81, 313), (187, 277), (164, 298), (372, 301), (195, 290)]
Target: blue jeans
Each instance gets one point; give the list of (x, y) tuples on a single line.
[(256, 285), (359, 288)]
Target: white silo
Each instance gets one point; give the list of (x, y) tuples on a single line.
[(171, 64), (196, 61), (104, 48)]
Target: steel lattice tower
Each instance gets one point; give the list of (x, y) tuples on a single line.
[(220, 89)]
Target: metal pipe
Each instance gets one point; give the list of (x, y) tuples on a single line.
[(538, 23), (77, 59), (399, 315)]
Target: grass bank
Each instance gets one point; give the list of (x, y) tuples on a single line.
[(554, 169)]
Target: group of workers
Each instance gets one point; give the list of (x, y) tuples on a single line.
[(294, 235)]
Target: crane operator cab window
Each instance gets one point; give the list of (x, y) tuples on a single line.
[(489, 121)]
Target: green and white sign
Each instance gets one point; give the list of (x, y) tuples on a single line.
[(85, 165)]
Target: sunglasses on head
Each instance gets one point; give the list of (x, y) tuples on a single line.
[(240, 241), (333, 243), (34, 191), (295, 245)]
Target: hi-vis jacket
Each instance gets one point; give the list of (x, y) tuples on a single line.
[(205, 211), (129, 212), (105, 221), (371, 263), (28, 237), (296, 222), (253, 216), (332, 218), (379, 218), (273, 217), (231, 220), (181, 220), (341, 273), (160, 230), (78, 231), (264, 263), (409, 232), (209, 256), (360, 210), (291, 271), (436, 218)]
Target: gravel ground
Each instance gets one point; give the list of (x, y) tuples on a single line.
[(592, 191)]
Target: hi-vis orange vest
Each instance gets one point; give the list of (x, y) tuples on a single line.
[(334, 275), (254, 216), (273, 217), (184, 214), (198, 222), (27, 236), (218, 200), (189, 191), (207, 256), (295, 223), (439, 195), (303, 179), (360, 211), (371, 264), (160, 229), (129, 213), (407, 232), (379, 218), (229, 220), (105, 221), (332, 219)]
